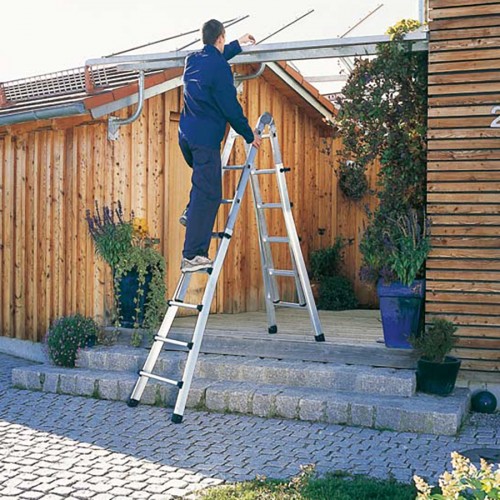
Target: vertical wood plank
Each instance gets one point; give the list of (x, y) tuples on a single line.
[(8, 239), (59, 253)]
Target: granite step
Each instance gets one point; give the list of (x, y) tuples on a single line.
[(421, 413), (335, 376), (285, 347)]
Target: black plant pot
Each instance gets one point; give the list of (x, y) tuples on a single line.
[(437, 378), (126, 293)]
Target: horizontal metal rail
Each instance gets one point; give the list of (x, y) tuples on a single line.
[(284, 51)]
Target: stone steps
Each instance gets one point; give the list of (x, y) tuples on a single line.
[(334, 376), (381, 398), (419, 413)]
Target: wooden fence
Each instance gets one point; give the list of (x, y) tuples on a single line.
[(463, 272), (52, 171)]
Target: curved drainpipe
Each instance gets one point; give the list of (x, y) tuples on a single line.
[(114, 123), (242, 78)]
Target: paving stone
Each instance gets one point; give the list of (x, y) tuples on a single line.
[(108, 388), (312, 409), (216, 396), (196, 396), (67, 383), (362, 414), (239, 398), (264, 401), (287, 403)]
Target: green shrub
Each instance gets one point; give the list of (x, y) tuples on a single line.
[(336, 293), (327, 261), (436, 342), (68, 334)]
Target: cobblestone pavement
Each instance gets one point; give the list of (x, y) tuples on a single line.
[(55, 446)]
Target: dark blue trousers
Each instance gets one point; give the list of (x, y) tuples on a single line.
[(205, 196)]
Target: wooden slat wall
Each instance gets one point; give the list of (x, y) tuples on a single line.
[(463, 271), (52, 171)]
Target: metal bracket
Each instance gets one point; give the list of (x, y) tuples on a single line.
[(114, 123)]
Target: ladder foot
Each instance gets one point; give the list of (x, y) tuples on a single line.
[(273, 329), (176, 419), (132, 402), (320, 337)]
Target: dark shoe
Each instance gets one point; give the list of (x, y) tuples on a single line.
[(197, 263)]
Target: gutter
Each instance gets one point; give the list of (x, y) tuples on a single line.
[(44, 114)]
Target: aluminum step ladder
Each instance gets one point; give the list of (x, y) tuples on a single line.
[(272, 298)]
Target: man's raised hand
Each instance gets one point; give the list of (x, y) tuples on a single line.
[(247, 38)]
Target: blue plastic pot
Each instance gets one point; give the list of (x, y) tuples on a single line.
[(127, 292), (400, 308)]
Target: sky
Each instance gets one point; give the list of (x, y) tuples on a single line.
[(43, 36)]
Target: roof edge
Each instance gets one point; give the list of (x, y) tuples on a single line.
[(307, 91), (60, 111)]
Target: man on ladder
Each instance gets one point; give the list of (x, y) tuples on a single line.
[(210, 102)]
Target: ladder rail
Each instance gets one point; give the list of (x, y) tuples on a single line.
[(294, 239), (201, 323)]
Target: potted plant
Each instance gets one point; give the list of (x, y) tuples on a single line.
[(138, 268), (395, 258), (436, 370), (383, 116)]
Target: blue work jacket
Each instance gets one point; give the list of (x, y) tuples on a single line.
[(210, 98)]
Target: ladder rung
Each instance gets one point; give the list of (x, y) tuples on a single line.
[(234, 167), (263, 171), (227, 201), (282, 272), (221, 235), (292, 305), (265, 136), (269, 205), (177, 383), (276, 239), (187, 345), (196, 307)]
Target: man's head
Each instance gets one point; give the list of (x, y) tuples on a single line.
[(213, 33)]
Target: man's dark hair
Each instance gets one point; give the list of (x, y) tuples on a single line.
[(211, 30)]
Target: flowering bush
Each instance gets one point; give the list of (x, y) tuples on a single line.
[(464, 482), (128, 248), (68, 334)]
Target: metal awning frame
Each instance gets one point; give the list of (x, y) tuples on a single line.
[(271, 52)]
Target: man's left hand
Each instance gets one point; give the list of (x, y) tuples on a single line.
[(247, 38)]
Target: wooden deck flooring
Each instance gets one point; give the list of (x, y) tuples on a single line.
[(356, 327), (352, 337)]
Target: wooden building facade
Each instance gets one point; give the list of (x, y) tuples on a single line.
[(53, 170), (463, 271)]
